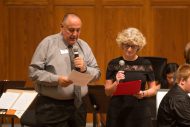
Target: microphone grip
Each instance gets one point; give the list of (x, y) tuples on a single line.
[(122, 80), (76, 54), (77, 69)]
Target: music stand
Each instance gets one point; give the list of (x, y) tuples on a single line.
[(11, 84), (159, 96), (99, 101), (1, 89), (29, 117), (158, 64)]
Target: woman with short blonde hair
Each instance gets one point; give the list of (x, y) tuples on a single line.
[(130, 110), (131, 36)]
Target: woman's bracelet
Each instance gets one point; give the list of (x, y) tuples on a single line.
[(145, 93)]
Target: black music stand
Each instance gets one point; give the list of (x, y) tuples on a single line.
[(158, 64), (29, 117), (99, 101), (1, 89), (10, 84)]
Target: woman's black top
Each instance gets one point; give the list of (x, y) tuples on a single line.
[(129, 107)]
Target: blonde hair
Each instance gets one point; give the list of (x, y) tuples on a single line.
[(131, 36), (183, 72)]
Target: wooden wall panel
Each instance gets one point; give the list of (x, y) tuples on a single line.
[(3, 46), (188, 24), (26, 2), (165, 24), (27, 27), (170, 32), (122, 2), (74, 2), (115, 19), (171, 2)]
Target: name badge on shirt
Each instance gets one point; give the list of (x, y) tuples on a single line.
[(65, 51)]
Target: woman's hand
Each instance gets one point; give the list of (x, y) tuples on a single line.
[(120, 75), (140, 95), (110, 87)]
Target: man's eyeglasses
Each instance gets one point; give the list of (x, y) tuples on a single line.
[(130, 46)]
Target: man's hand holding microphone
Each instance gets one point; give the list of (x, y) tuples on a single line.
[(79, 65)]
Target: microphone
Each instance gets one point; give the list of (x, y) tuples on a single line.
[(75, 51), (122, 68), (122, 65), (76, 54)]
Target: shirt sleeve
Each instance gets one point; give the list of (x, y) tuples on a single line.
[(90, 60), (182, 110), (37, 68), (110, 72)]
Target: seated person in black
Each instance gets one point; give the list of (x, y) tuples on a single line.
[(174, 109), (168, 77), (130, 110)]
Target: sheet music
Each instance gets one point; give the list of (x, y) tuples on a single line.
[(19, 113), (7, 99), (15, 102), (79, 78), (159, 97), (24, 101)]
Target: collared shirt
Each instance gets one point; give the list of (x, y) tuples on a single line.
[(174, 109), (51, 60)]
